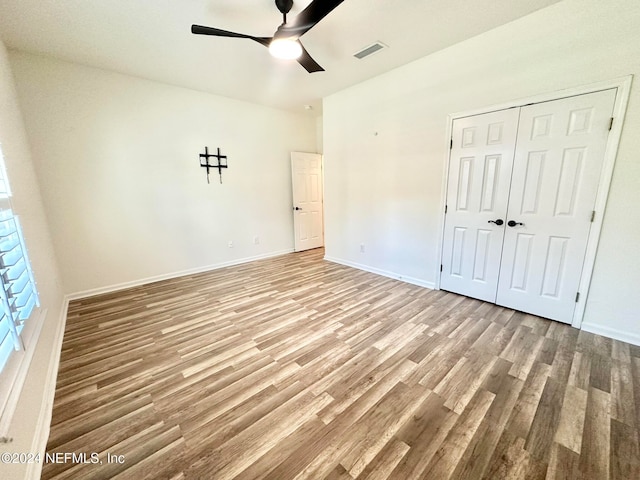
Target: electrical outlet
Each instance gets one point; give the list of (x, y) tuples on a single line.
[(230, 244), (256, 240), (362, 248)]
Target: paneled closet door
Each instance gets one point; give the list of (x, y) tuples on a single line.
[(556, 172), (477, 195)]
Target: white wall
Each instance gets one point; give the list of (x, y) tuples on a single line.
[(385, 190), (31, 419), (319, 135), (117, 158)]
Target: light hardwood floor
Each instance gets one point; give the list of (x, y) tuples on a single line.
[(294, 367)]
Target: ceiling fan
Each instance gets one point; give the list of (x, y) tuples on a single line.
[(285, 42)]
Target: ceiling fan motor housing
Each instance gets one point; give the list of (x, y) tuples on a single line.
[(284, 6)]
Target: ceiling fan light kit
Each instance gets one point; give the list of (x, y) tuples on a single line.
[(285, 43), (285, 48)]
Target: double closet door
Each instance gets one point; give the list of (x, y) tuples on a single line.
[(521, 191)]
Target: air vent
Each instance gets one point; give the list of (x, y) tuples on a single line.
[(370, 50)]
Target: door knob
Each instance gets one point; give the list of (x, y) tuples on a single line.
[(297, 208), (497, 222), (513, 223)]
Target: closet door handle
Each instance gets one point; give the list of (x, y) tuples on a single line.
[(497, 222), (513, 223)]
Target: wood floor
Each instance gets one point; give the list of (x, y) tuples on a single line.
[(294, 367)]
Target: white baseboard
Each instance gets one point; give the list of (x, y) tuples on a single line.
[(41, 435), (611, 333), (169, 276), (384, 273)]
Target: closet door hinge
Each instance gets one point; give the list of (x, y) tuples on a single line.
[(451, 144), (445, 208), (577, 296), (611, 123), (440, 267), (593, 216)]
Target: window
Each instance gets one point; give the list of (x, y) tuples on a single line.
[(18, 294)]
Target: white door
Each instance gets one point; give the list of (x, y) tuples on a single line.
[(557, 167), (537, 169), (477, 194), (306, 175)]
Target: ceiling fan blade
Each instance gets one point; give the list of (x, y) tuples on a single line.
[(309, 64), (308, 18), (217, 32), (202, 30), (266, 41)]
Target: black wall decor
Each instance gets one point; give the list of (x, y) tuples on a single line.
[(221, 161)]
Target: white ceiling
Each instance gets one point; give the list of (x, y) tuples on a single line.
[(151, 39)]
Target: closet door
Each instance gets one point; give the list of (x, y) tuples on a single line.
[(556, 172), (477, 195)]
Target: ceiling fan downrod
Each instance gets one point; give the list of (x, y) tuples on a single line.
[(285, 7)]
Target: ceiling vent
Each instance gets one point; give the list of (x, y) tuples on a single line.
[(370, 50)]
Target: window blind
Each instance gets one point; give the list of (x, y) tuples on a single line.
[(18, 294)]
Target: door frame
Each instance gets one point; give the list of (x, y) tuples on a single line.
[(293, 194), (623, 87)]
